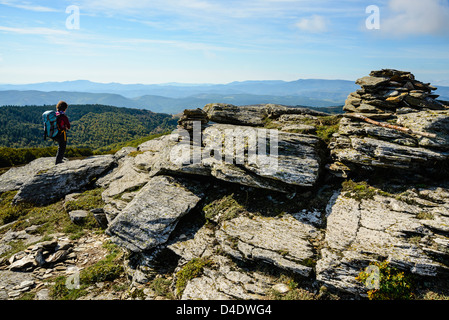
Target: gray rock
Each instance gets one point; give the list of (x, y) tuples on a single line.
[(148, 220), (58, 181), (387, 228), (270, 240), (43, 294), (225, 281), (12, 279), (15, 177), (297, 163), (298, 158), (372, 82), (238, 115), (78, 216), (24, 264), (252, 115), (436, 122), (382, 154), (100, 217), (125, 177)]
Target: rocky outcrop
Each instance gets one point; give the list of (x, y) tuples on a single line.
[(15, 177), (255, 115), (151, 216), (409, 131), (295, 161), (205, 204), (409, 230), (270, 240), (52, 184)]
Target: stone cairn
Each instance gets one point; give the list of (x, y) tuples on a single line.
[(388, 91), (392, 121)]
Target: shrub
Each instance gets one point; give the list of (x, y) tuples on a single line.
[(101, 271), (386, 282)]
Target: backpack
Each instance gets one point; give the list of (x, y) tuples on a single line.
[(50, 124)]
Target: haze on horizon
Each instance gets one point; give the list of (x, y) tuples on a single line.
[(218, 42)]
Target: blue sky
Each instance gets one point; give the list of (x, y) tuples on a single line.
[(217, 41)]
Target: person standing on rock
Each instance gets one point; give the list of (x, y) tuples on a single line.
[(63, 126)]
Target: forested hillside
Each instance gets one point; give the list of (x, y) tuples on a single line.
[(93, 126)]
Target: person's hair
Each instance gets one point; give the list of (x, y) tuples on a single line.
[(61, 106)]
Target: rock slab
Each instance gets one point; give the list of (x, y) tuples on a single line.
[(148, 220), (56, 182)]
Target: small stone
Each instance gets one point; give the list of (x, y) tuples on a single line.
[(57, 256), (43, 294), (372, 82), (78, 216), (281, 288), (23, 264)]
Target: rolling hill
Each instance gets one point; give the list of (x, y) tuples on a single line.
[(154, 103), (175, 97)]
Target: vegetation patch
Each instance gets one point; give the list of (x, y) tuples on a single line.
[(385, 282), (223, 209), (18, 156), (193, 269), (161, 287), (9, 213), (294, 291), (88, 200), (107, 269), (327, 126), (358, 190)]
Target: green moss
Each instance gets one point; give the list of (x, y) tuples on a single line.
[(101, 271), (88, 200), (8, 212), (161, 287), (60, 291), (358, 190), (225, 208), (135, 153), (294, 293), (327, 126), (194, 268), (425, 215), (16, 246)]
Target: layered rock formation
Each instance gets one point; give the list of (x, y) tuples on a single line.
[(395, 122), (50, 183), (178, 200)]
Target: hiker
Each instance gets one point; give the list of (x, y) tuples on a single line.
[(63, 126)]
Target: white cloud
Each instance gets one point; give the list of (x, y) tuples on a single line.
[(35, 31), (416, 17), (27, 6), (313, 24)]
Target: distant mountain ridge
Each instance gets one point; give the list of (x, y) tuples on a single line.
[(175, 97), (180, 90)]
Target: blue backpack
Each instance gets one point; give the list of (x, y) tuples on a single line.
[(50, 124)]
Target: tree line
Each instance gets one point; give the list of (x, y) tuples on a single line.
[(93, 128)]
